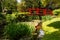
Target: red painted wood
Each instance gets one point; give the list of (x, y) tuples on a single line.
[(45, 11)]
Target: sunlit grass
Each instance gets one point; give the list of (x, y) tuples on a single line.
[(50, 29), (52, 33)]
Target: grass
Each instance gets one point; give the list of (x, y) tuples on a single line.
[(52, 29)]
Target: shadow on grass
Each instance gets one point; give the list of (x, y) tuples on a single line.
[(55, 35), (52, 36), (55, 24)]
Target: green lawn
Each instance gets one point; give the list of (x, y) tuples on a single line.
[(52, 29)]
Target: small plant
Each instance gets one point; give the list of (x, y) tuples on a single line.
[(10, 17)]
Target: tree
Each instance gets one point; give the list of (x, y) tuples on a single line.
[(33, 3), (1, 5), (30, 4), (53, 4), (9, 4)]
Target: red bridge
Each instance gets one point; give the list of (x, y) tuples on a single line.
[(40, 11)]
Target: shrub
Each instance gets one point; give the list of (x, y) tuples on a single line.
[(2, 24), (15, 31), (10, 17), (47, 17), (56, 12)]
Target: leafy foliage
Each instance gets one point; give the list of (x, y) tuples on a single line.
[(9, 4), (2, 24)]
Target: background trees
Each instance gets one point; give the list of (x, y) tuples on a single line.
[(9, 4), (53, 4)]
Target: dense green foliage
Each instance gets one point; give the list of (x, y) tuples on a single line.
[(8, 4), (20, 17), (2, 24), (17, 30), (47, 17)]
